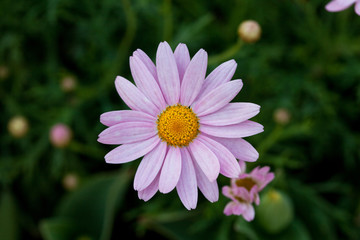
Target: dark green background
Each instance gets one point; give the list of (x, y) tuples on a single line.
[(307, 61)]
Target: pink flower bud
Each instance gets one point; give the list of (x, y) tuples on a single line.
[(249, 31), (60, 135), (18, 126)]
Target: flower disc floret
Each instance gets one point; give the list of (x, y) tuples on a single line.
[(247, 183), (178, 125)]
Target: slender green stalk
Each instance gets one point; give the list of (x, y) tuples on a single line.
[(226, 54), (168, 20)]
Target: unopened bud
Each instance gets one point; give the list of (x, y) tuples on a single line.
[(249, 31), (68, 83), (18, 126), (4, 71), (70, 181), (60, 135), (282, 116), (275, 211)]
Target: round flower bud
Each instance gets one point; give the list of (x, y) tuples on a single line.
[(70, 181), (68, 83), (60, 135), (4, 71), (249, 31), (18, 126), (282, 116), (275, 211)]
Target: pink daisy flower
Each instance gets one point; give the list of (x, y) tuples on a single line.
[(340, 5), (244, 190), (182, 123)]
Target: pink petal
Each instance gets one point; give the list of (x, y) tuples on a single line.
[(257, 199), (127, 132), (217, 98), (241, 162), (229, 167), (206, 159), (226, 191), (243, 193), (240, 148), (147, 61), (338, 5), (171, 170), (267, 178), (357, 8), (134, 98), (231, 114), (239, 130), (220, 75), (187, 185), (150, 166), (262, 171), (131, 151), (249, 213), (146, 82), (228, 210), (193, 78), (182, 58), (150, 191), (168, 74), (238, 208), (209, 189), (115, 117)]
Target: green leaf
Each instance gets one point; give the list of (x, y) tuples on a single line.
[(320, 215), (8, 219), (296, 231), (172, 225), (57, 229), (183, 225), (246, 229), (188, 31), (91, 209)]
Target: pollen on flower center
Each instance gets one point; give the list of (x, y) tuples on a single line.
[(178, 125)]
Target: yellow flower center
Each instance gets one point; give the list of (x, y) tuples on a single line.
[(178, 125)]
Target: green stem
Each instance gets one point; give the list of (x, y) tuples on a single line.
[(122, 54), (128, 38), (168, 23), (84, 149), (227, 54), (270, 140)]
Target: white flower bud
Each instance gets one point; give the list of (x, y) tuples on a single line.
[(249, 31)]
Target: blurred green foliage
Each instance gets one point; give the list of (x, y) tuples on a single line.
[(307, 62)]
